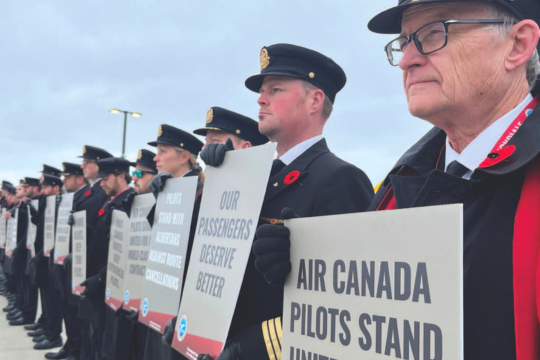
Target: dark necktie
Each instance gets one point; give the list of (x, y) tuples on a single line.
[(277, 165), (456, 169)]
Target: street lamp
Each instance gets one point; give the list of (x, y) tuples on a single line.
[(133, 114)]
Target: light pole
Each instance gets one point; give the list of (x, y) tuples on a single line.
[(134, 114)]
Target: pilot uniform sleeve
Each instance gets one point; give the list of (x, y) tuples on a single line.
[(271, 330)]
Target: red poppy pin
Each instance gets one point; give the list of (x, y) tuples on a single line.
[(291, 177), (88, 192), (498, 156), (101, 211)]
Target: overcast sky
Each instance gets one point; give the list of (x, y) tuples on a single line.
[(65, 64)]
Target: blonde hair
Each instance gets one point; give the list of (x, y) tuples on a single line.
[(193, 163)]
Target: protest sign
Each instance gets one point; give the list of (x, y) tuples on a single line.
[(48, 235), (31, 235), (61, 244), (116, 266), (377, 285), (78, 264), (230, 208), (165, 266), (3, 229), (11, 232), (140, 233)]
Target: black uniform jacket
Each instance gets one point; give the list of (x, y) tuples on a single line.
[(20, 253), (98, 252), (326, 185), (57, 273), (490, 200), (93, 199)]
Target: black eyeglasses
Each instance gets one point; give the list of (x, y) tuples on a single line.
[(428, 39), (140, 173)]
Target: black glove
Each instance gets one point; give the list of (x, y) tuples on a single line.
[(14, 253), (71, 220), (213, 154), (67, 261), (92, 285), (133, 315), (168, 332), (158, 182), (119, 311), (247, 344), (231, 351), (127, 202), (272, 250)]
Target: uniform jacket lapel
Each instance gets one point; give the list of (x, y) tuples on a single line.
[(276, 184)]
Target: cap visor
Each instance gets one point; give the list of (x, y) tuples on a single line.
[(389, 21), (254, 82), (153, 143), (201, 131)]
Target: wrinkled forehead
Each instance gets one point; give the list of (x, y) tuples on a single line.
[(417, 16)]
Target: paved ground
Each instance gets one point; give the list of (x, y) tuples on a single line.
[(14, 343)]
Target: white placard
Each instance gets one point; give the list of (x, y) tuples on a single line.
[(377, 285)]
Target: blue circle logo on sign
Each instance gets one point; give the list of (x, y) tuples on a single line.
[(182, 328), (145, 307), (529, 112), (55, 255), (126, 297), (73, 284), (108, 294)]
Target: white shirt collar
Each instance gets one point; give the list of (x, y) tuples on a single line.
[(475, 153), (299, 149)]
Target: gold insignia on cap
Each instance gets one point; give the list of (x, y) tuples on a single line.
[(209, 116), (84, 149), (64, 167), (312, 75), (159, 131), (238, 132), (265, 59), (139, 156), (181, 144)]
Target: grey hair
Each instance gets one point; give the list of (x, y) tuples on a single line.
[(327, 104), (496, 12)]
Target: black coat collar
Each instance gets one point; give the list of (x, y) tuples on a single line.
[(423, 155), (276, 184)]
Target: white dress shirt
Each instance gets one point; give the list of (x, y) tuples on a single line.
[(299, 149), (477, 151)]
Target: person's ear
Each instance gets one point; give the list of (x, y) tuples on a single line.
[(524, 36)]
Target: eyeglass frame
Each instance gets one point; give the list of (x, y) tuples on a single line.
[(446, 23), (143, 172)]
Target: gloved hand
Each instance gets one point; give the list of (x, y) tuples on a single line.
[(168, 332), (92, 285), (127, 202), (247, 344), (119, 311), (71, 220), (133, 315), (214, 154), (158, 182), (67, 261), (231, 351), (272, 250), (15, 253)]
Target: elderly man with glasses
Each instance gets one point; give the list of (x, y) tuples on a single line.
[(470, 68)]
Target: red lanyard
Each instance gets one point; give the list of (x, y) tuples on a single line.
[(516, 124), (500, 151)]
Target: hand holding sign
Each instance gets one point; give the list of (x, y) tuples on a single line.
[(214, 154), (272, 250)]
